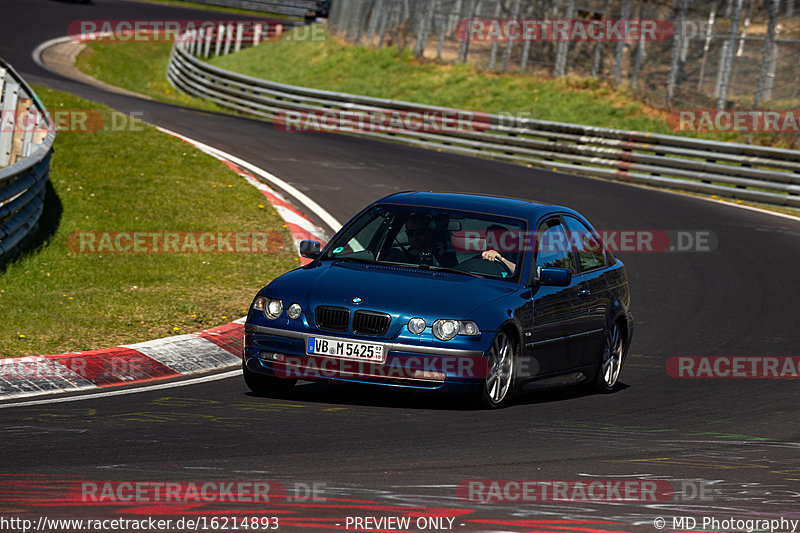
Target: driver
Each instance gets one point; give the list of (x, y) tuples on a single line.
[(420, 239)]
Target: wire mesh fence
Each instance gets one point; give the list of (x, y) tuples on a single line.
[(712, 54)]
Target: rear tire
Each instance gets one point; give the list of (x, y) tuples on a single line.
[(268, 386)]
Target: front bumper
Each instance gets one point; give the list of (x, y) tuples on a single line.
[(282, 353)]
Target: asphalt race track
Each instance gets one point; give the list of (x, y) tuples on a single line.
[(379, 453)]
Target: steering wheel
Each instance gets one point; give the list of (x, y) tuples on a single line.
[(422, 257), (504, 266)]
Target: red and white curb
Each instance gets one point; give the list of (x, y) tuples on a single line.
[(298, 225), (179, 355), (211, 349)]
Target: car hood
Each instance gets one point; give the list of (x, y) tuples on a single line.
[(399, 291)]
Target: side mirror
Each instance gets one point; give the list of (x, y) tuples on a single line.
[(557, 277), (309, 249)]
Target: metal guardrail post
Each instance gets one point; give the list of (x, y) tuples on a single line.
[(239, 30), (9, 110), (26, 147)]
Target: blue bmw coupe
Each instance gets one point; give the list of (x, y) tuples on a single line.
[(465, 293)]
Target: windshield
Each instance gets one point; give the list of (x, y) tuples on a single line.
[(464, 242)]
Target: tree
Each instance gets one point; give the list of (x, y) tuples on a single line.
[(766, 53), (625, 14), (676, 61), (726, 59), (563, 46)]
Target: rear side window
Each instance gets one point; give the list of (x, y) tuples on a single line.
[(586, 245), (553, 250)]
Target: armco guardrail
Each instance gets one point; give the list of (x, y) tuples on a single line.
[(295, 8), (230, 37), (26, 145), (756, 173)]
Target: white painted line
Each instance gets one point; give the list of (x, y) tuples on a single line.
[(751, 208), (193, 381), (728, 202), (288, 215), (37, 52), (310, 204)]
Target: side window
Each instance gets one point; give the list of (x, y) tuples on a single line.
[(588, 247), (553, 250), (362, 240)]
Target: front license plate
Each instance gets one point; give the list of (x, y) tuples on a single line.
[(329, 347)]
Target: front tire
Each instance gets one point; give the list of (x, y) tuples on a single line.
[(611, 360), (499, 380), (268, 386)]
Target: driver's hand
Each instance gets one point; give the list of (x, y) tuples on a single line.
[(491, 255)]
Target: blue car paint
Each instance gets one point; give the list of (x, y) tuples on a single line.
[(556, 330)]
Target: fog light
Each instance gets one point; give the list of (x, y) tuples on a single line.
[(294, 311), (270, 356), (416, 325)]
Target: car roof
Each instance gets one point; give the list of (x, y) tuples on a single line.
[(516, 207)]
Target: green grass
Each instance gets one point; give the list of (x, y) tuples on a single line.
[(385, 73), (332, 65), (327, 63), (53, 299), (139, 66)]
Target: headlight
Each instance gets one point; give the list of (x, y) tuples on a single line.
[(469, 327), (444, 330), (416, 325), (260, 303), (294, 311), (274, 309)]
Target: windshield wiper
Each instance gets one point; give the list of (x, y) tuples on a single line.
[(352, 260), (408, 265), (453, 271)]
